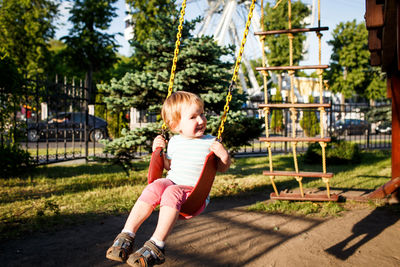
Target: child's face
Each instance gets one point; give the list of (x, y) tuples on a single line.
[(193, 122)]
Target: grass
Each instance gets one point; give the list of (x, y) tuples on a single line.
[(299, 208), (61, 151), (52, 197)]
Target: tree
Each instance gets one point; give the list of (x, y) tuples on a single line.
[(277, 114), (309, 122), (198, 57), (199, 70), (58, 63), (278, 45), (146, 13), (89, 49), (25, 29), (11, 89), (350, 72)]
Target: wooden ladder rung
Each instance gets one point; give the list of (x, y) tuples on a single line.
[(296, 105), (300, 174), (299, 30), (292, 67), (294, 139), (306, 197)]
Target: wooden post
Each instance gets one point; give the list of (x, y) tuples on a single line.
[(396, 106), (395, 90)]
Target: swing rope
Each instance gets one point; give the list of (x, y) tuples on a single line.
[(321, 109), (293, 111), (266, 109)]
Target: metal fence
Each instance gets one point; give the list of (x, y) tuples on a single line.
[(349, 122), (53, 121), (64, 120)]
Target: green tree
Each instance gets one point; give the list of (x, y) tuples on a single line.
[(89, 49), (58, 63), (198, 57), (380, 114), (11, 88), (199, 70), (278, 45), (309, 122), (350, 72), (25, 29), (277, 114), (146, 14)]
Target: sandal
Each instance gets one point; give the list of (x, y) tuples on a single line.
[(147, 256), (121, 248)]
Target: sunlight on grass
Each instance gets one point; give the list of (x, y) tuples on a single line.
[(56, 196), (299, 208), (60, 151)]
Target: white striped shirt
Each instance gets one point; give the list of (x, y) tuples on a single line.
[(187, 158)]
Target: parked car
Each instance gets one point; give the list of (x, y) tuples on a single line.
[(384, 127), (65, 125), (351, 126)]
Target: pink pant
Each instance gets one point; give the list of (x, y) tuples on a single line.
[(166, 193)]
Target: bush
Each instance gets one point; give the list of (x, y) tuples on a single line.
[(309, 122), (277, 114), (125, 148), (239, 130), (15, 161), (337, 152)]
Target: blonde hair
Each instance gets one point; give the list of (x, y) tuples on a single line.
[(172, 107)]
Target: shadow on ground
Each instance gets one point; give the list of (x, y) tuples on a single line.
[(227, 234), (362, 232)]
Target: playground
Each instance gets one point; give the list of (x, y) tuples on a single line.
[(68, 215), (227, 234)]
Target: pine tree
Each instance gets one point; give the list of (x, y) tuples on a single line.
[(277, 114), (89, 48), (200, 70), (309, 122), (147, 86)]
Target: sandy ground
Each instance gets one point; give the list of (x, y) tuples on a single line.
[(228, 235)]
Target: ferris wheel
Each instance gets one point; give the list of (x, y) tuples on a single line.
[(225, 20)]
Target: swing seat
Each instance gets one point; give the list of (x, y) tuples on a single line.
[(196, 201)]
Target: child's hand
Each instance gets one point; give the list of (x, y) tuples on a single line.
[(219, 150), (224, 159), (159, 141)]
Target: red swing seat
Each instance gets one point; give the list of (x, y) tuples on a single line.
[(196, 200)]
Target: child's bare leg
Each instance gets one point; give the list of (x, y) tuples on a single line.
[(139, 213), (166, 221), (123, 244)]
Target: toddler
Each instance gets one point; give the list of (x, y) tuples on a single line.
[(183, 113)]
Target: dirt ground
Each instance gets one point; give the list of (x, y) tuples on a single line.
[(228, 235)]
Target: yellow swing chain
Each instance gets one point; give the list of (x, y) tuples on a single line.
[(176, 52), (235, 72)]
